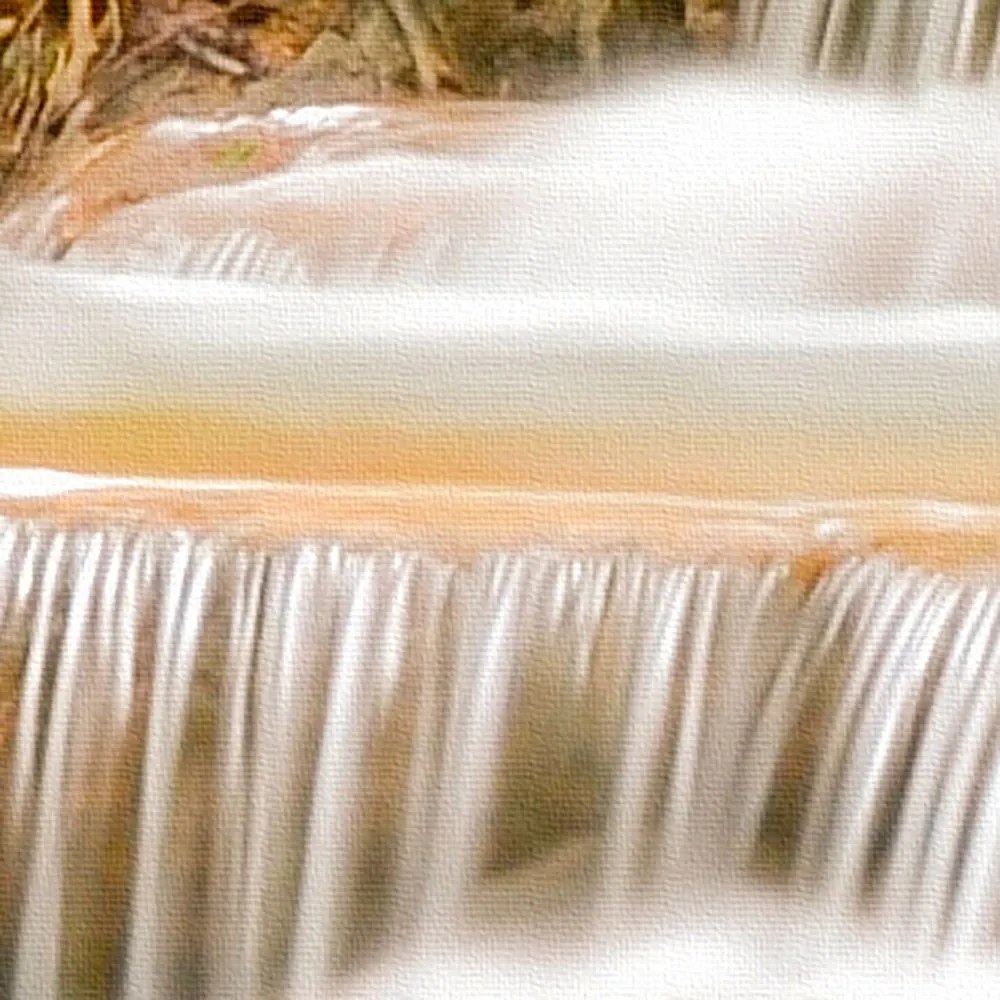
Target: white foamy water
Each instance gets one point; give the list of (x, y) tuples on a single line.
[(686, 189), (753, 948)]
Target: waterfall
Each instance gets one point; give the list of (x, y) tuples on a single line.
[(235, 770), (882, 43), (238, 771), (742, 186)]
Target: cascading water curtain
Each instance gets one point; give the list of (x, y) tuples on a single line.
[(232, 771), (882, 41)]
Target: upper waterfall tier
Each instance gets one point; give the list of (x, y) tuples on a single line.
[(724, 191), (712, 288)]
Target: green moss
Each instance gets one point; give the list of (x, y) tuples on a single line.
[(239, 153)]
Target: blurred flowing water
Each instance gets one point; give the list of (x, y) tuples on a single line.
[(238, 771), (748, 185), (246, 772)]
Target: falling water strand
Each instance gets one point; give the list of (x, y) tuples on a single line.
[(26, 580), (263, 780), (281, 689), (881, 57), (110, 600), (8, 542), (678, 821), (133, 600), (418, 814), (38, 966), (228, 861), (894, 616), (923, 40), (398, 581), (489, 603), (969, 647), (750, 625), (323, 905), (181, 613), (27, 722), (654, 675), (787, 36), (821, 621), (973, 920), (590, 611), (956, 797), (881, 734), (935, 58)]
